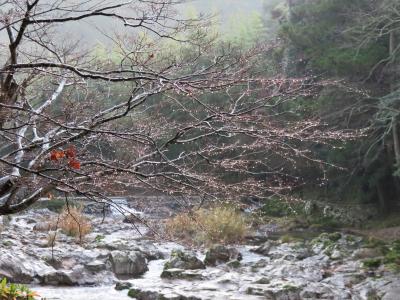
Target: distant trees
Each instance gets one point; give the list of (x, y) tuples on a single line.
[(357, 44)]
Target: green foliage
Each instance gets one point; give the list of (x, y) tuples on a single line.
[(277, 207), (392, 257), (372, 263), (11, 291), (328, 240), (318, 29), (99, 238)]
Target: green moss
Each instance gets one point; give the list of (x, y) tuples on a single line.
[(276, 207), (350, 238), (392, 257), (290, 288), (372, 263), (263, 280), (133, 293), (375, 243), (167, 265), (99, 238), (334, 237), (287, 238), (233, 264), (7, 243)]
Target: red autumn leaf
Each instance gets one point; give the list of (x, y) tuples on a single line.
[(70, 152), (74, 164), (55, 155)]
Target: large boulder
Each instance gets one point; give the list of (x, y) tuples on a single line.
[(128, 264), (221, 254), (22, 269), (77, 276), (183, 260)]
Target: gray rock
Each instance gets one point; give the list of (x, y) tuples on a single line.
[(44, 227), (75, 277), (101, 209), (61, 278), (128, 264), (181, 274), (183, 260), (264, 248), (285, 292), (96, 266), (21, 268), (154, 295), (221, 254)]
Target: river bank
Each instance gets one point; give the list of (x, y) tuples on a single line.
[(332, 265)]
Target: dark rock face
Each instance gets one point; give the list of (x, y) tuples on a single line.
[(128, 264), (185, 261), (221, 254)]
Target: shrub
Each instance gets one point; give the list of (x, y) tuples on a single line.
[(11, 291), (74, 223), (215, 225), (372, 263), (392, 256)]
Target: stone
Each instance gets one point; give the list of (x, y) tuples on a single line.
[(154, 295), (43, 227), (221, 254), (96, 266), (20, 268), (181, 274), (263, 280), (234, 264), (120, 286), (58, 278), (101, 209), (264, 249), (285, 292), (128, 264), (183, 260)]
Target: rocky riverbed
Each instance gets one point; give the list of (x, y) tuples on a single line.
[(116, 262)]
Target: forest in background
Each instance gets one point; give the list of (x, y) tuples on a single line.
[(348, 53), (355, 47)]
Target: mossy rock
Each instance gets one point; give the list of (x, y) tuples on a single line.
[(120, 286), (263, 280)]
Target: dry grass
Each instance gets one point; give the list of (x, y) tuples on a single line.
[(74, 223), (220, 224), (51, 238)]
